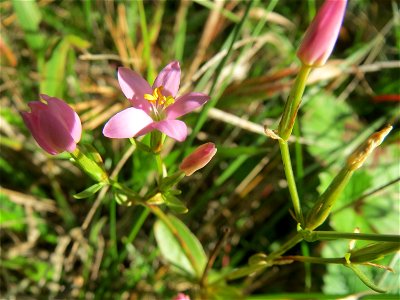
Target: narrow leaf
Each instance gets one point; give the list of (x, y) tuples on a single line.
[(175, 204), (89, 191), (365, 279)]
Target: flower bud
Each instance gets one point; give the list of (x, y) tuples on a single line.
[(55, 125), (198, 158), (322, 208), (373, 251), (321, 35), (181, 296)]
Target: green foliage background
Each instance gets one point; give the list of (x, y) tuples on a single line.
[(70, 49)]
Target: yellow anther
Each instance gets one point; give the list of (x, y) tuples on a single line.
[(158, 98), (150, 98), (170, 100)]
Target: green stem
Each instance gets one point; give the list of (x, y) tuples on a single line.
[(332, 235), (314, 260), (291, 181), (134, 231), (164, 218), (160, 168), (146, 41), (285, 247), (113, 227), (89, 166), (293, 103), (322, 208)]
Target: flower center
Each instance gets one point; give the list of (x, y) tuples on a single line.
[(158, 99)]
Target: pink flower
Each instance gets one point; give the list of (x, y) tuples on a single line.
[(154, 108), (198, 158), (181, 296), (55, 125), (321, 35)]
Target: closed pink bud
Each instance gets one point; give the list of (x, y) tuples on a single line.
[(321, 35), (55, 125), (181, 296), (198, 158)]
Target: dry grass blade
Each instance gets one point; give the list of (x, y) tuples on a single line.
[(208, 35), (37, 203)]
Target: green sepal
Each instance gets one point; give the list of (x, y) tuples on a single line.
[(92, 153), (323, 206), (168, 182), (374, 251), (89, 166), (175, 192), (156, 141), (368, 282), (90, 191), (140, 145), (245, 271), (175, 204)]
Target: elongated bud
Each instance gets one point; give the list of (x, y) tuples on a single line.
[(358, 157), (321, 35), (373, 251), (198, 159), (54, 124), (322, 208)]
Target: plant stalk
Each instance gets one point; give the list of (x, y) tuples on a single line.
[(291, 181)]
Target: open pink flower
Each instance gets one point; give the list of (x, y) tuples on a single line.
[(321, 35), (55, 125), (153, 108)]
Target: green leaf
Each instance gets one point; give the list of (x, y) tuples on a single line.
[(77, 42), (12, 215), (172, 251), (29, 17), (175, 204), (169, 181), (324, 123), (227, 152), (246, 271), (89, 191), (53, 72), (364, 278)]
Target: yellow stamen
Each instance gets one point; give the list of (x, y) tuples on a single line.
[(158, 98)]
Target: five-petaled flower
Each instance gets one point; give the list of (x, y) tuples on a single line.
[(153, 108), (55, 125)]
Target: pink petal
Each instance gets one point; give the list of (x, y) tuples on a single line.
[(198, 158), (173, 128), (169, 78), (134, 87), (55, 133), (66, 115), (321, 35), (35, 106), (31, 121), (127, 123), (186, 104)]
